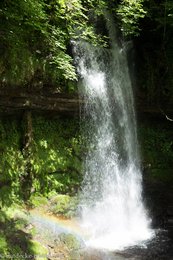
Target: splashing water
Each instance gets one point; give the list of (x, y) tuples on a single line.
[(111, 203)]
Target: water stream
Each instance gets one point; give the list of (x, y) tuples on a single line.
[(112, 209)]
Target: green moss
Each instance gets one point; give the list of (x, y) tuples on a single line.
[(39, 251), (13, 235)]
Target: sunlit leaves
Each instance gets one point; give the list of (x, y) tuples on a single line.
[(63, 63), (130, 12), (54, 156), (35, 37)]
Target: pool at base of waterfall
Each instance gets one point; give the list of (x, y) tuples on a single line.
[(159, 248)]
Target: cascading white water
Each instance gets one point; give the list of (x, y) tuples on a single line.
[(111, 203)]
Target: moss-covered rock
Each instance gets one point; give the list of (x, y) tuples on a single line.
[(38, 200), (68, 247), (64, 205), (70, 241)]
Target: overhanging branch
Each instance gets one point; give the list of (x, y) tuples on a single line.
[(167, 117)]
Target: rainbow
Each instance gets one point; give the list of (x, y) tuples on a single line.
[(53, 226)]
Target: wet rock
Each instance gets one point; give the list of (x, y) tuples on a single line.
[(70, 241), (67, 246)]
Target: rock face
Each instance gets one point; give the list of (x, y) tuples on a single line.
[(16, 100)]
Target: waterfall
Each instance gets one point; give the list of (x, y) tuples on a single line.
[(112, 210)]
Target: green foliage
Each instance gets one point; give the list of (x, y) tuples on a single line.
[(55, 158), (35, 38), (161, 13), (22, 22), (3, 244), (40, 252), (13, 238), (155, 47), (157, 147), (12, 164), (130, 13), (56, 161)]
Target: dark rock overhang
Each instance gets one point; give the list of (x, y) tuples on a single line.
[(17, 100)]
